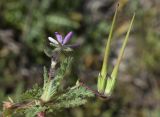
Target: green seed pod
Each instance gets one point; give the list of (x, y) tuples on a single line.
[(102, 75), (111, 81)]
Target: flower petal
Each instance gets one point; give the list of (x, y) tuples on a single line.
[(52, 40), (59, 37), (67, 38)]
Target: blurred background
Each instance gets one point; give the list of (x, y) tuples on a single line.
[(26, 24)]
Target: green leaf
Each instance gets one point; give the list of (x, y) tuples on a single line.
[(52, 86), (33, 93), (32, 112), (74, 96)]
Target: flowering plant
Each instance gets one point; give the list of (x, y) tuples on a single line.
[(41, 100)]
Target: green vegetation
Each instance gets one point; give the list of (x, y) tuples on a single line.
[(24, 28)]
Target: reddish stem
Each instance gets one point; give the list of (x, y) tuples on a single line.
[(94, 91), (41, 114)]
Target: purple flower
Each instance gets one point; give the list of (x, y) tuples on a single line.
[(59, 39), (61, 42)]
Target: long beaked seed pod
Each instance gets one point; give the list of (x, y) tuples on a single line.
[(102, 75), (112, 81)]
